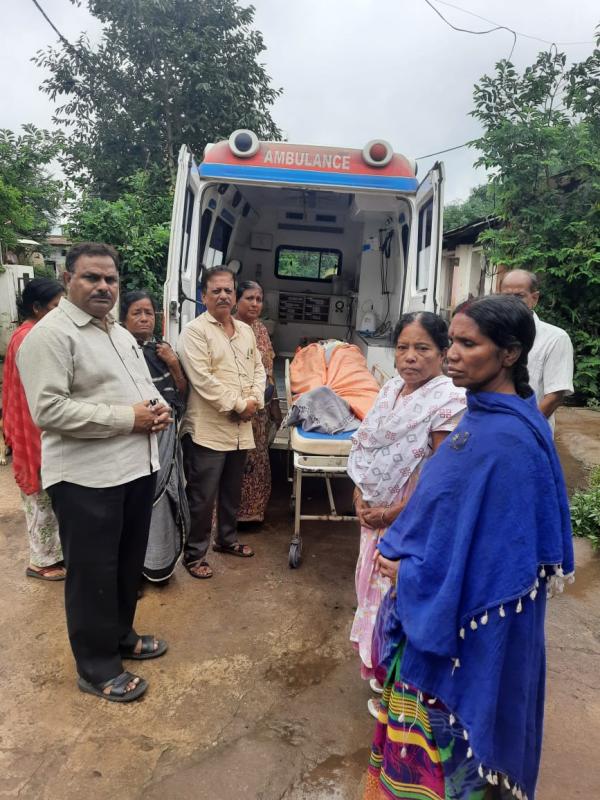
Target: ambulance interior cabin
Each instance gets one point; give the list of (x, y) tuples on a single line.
[(332, 264)]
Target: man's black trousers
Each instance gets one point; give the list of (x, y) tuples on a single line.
[(212, 476), (104, 535)]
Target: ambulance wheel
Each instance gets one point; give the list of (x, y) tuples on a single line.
[(295, 556)]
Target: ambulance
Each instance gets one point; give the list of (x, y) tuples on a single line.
[(343, 241)]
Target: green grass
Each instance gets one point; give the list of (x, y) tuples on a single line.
[(585, 510)]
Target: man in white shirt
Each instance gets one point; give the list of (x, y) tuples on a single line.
[(550, 361), (90, 392)]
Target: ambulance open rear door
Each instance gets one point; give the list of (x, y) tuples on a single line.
[(426, 244), (179, 299)]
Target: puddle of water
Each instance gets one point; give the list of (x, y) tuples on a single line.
[(587, 577), (301, 673), (576, 475), (336, 778)]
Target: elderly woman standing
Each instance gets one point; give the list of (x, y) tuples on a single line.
[(170, 514), (484, 538), (256, 488), (39, 297), (412, 415)]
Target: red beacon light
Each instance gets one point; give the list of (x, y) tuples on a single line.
[(244, 143), (377, 153)]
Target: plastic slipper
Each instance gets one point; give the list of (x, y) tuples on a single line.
[(376, 686), (208, 573), (147, 650), (118, 690), (42, 573), (373, 706), (236, 549)]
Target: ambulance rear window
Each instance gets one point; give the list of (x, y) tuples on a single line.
[(307, 263)]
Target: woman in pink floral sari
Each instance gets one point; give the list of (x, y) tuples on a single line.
[(411, 417)]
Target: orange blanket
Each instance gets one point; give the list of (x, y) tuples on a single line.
[(347, 375)]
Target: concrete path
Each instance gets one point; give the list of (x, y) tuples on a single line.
[(259, 695)]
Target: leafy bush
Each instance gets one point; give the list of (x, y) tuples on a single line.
[(585, 511)]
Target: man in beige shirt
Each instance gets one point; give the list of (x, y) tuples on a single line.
[(90, 392), (227, 386)]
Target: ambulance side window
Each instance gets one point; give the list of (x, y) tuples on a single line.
[(424, 246), (204, 229), (219, 242)]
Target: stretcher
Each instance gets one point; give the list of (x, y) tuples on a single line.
[(316, 455)]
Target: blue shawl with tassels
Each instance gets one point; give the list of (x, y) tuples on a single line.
[(486, 527)]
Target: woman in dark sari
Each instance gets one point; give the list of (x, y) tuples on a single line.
[(483, 540), (170, 515)]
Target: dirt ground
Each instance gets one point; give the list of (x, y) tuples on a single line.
[(259, 695)]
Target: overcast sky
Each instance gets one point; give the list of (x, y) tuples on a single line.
[(351, 70)]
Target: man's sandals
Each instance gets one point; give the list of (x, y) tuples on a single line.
[(119, 693), (147, 649), (199, 569), (202, 569), (237, 549)]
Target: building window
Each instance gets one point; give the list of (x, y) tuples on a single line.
[(307, 263)]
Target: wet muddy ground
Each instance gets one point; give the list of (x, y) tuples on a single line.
[(259, 696)]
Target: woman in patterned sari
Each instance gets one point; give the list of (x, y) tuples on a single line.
[(411, 417), (39, 297), (484, 539), (256, 488)]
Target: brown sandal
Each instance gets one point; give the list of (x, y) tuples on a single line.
[(199, 569), (42, 573), (238, 549)]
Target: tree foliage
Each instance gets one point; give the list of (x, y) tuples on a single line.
[(30, 198), (541, 146), (137, 224), (165, 73), (478, 205)]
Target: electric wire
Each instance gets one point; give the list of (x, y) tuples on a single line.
[(477, 33), (519, 33), (63, 39)]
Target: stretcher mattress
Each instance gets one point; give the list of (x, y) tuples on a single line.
[(320, 444)]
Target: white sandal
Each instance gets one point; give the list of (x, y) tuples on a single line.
[(373, 706), (376, 686)]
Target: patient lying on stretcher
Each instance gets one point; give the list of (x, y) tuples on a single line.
[(332, 387)]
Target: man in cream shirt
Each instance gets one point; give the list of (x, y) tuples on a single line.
[(90, 392), (227, 385), (550, 360)]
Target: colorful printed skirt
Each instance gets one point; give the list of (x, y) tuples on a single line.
[(418, 755), (256, 486)]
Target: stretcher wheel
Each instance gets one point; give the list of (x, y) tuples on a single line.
[(295, 556), (292, 505)]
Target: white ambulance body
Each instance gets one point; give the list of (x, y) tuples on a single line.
[(342, 241)]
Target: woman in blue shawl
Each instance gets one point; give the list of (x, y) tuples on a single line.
[(484, 539)]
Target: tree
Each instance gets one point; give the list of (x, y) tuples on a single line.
[(165, 73), (478, 205), (137, 224), (541, 145), (30, 198)]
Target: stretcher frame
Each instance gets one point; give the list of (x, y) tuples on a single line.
[(327, 467)]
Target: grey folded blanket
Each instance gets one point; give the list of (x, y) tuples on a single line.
[(321, 410)]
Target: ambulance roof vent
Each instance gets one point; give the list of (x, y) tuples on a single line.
[(377, 153), (244, 143)]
